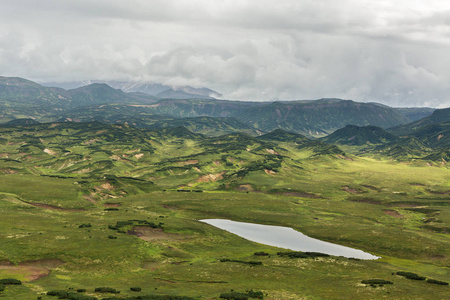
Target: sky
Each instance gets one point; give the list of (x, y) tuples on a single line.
[(391, 52)]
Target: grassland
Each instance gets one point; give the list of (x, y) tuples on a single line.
[(58, 208)]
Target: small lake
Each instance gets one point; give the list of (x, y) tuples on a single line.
[(285, 237)]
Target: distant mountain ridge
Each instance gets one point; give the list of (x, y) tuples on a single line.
[(153, 89), (21, 98)]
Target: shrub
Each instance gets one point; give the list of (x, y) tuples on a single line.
[(106, 290), (253, 263), (8, 281), (261, 253), (111, 209), (85, 225), (69, 295), (81, 290), (299, 254), (112, 237), (2, 287), (410, 275), (255, 294), (234, 296), (376, 281), (429, 280), (135, 289)]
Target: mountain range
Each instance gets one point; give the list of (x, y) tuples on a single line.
[(371, 127)]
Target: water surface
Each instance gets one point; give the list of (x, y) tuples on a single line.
[(285, 237)]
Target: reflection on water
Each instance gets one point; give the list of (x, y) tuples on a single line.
[(285, 237)]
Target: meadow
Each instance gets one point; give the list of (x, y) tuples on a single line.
[(96, 214)]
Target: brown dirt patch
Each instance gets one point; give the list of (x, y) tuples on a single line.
[(271, 151), (188, 162), (90, 198), (139, 156), (393, 213), (351, 190), (8, 171), (89, 142), (151, 234), (48, 151), (245, 188), (270, 172), (33, 269), (210, 177), (438, 192), (216, 162)]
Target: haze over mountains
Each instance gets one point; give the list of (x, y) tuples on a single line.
[(154, 89)]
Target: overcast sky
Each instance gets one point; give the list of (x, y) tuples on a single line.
[(390, 51)]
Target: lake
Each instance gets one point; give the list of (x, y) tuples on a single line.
[(285, 237)]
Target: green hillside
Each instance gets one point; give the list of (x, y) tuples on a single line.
[(357, 136), (438, 116), (320, 117), (415, 113)]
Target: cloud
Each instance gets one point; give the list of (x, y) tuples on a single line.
[(366, 50)]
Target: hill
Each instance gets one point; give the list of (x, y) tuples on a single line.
[(438, 116), (357, 136), (415, 113)]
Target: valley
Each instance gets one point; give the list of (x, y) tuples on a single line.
[(109, 192)]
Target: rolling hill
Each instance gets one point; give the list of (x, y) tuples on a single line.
[(357, 136)]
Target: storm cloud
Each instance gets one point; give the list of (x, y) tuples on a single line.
[(393, 52)]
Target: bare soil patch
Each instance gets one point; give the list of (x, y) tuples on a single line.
[(245, 188), (8, 171), (89, 142), (151, 234), (90, 198), (270, 172), (33, 269), (48, 151), (393, 213), (351, 190), (438, 192), (271, 151), (210, 177), (188, 162)]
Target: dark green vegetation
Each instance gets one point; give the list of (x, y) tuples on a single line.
[(376, 282), (89, 205)]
